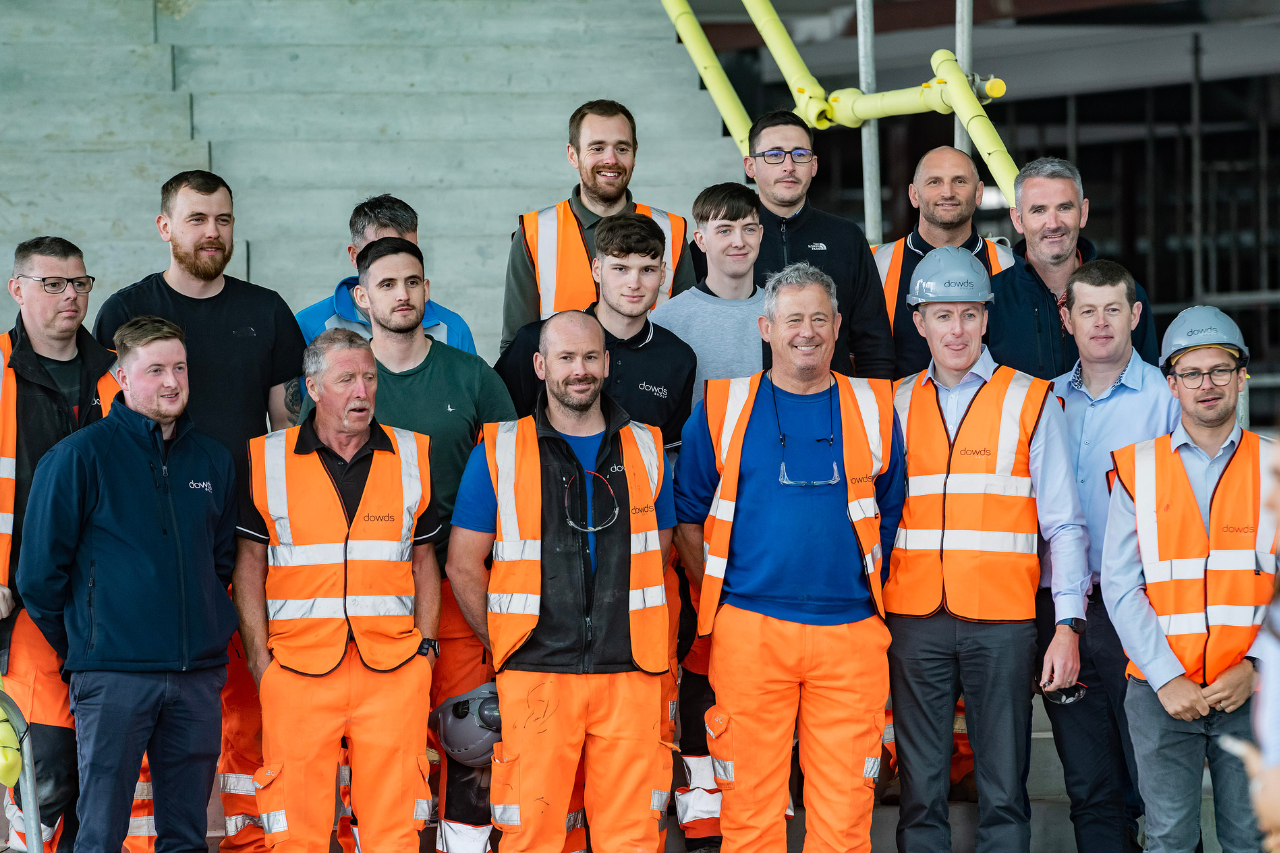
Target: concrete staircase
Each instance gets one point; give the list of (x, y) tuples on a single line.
[(308, 106)]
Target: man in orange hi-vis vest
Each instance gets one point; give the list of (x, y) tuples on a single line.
[(1188, 569), (574, 504), (339, 598), (988, 473), (790, 488), (549, 267)]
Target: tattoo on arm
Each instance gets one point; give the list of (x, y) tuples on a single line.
[(293, 399)]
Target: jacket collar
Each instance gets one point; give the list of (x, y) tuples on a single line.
[(142, 426), (309, 440), (921, 247), (95, 358), (636, 341), (1084, 247), (345, 307), (615, 417), (773, 221)]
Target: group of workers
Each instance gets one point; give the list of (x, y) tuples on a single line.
[(731, 490)]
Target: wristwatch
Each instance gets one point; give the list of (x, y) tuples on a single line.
[(1076, 625), (429, 646)]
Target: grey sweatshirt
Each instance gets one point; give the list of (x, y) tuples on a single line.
[(723, 333)]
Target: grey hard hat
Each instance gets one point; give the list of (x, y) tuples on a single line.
[(950, 274), (1201, 326), (469, 726)]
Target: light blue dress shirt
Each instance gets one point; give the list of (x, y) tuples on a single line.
[(1124, 585), (1062, 522), (1138, 407)]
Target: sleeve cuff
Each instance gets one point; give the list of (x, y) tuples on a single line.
[(1163, 671), (246, 533), (1068, 605)]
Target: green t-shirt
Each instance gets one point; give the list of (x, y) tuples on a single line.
[(449, 396)]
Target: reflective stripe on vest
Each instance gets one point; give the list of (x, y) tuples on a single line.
[(1210, 592), (555, 241), (999, 257), (515, 585), (107, 389), (327, 580), (866, 418), (969, 533), (888, 259)]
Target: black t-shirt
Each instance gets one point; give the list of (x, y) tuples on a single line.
[(348, 477), (66, 375), (240, 343)]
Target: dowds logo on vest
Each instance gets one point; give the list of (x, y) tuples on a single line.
[(1230, 528), (380, 519), (984, 452)]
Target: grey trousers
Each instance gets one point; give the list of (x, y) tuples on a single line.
[(931, 661), (1171, 755)]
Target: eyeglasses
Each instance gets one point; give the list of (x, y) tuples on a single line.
[(56, 284), (774, 156), (1065, 695), (1220, 376), (585, 527), (782, 437)]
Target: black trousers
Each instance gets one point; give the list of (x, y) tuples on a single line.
[(1092, 735), (931, 661)]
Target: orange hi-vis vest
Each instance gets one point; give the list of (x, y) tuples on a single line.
[(889, 264), (866, 429), (557, 245), (107, 390), (515, 584), (1211, 590), (969, 533), (327, 581)]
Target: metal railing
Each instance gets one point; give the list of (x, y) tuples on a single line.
[(30, 792)]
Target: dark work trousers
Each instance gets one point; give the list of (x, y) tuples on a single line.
[(176, 718), (931, 661), (1092, 735)]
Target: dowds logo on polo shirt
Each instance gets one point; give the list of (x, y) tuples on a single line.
[(655, 390)]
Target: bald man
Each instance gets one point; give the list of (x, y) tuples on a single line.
[(946, 190), (574, 610)]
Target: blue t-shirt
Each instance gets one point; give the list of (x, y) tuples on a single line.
[(477, 506), (793, 554)]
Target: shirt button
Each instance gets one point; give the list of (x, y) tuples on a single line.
[(1086, 442), (1082, 479), (1091, 405)]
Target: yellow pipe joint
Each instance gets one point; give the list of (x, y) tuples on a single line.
[(709, 69), (810, 97), (980, 129)]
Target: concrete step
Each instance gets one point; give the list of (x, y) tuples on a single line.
[(95, 118), (412, 22), (444, 115), (60, 22), (477, 68), (30, 169), (439, 165), (31, 68)]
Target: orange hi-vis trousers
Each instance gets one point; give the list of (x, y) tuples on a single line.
[(384, 719), (772, 677), (553, 721), (241, 755)]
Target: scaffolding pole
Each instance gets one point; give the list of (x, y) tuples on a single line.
[(1197, 178), (873, 221), (964, 55)]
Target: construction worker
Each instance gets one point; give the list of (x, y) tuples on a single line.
[(1188, 570), (549, 268), (56, 379), (1024, 324), (718, 319), (791, 484), (128, 547), (1111, 399), (988, 469), (448, 394), (946, 190), (374, 218), (339, 598), (244, 350), (574, 503), (783, 164)]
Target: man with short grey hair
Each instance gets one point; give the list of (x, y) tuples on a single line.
[(1024, 328), (793, 482)]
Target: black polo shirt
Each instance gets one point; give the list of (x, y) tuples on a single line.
[(348, 478), (651, 376)]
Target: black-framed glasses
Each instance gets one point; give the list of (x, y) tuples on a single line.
[(56, 284), (1066, 695), (830, 440), (1219, 376), (774, 156), (585, 527)]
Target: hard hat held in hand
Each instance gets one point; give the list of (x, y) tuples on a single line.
[(469, 726), (1202, 326), (950, 274)]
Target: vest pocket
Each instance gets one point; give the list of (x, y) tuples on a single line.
[(504, 790), (720, 745), (871, 751), (271, 797)]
